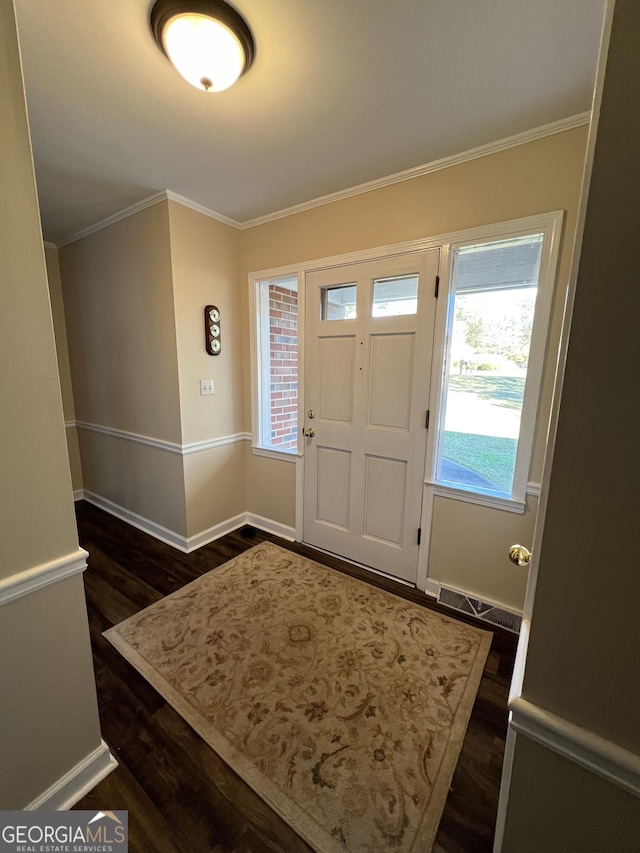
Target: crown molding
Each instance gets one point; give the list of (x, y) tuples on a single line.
[(399, 177), (156, 198), (200, 208), (434, 166), (115, 217)]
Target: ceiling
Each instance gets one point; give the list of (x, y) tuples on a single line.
[(341, 92)]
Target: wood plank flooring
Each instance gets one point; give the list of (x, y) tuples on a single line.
[(180, 796)]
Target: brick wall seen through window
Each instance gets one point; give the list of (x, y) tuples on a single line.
[(283, 368)]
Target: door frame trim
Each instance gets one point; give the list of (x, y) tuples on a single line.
[(439, 241), (427, 263)]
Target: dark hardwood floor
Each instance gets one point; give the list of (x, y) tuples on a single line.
[(180, 796)]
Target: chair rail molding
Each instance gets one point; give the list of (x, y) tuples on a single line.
[(28, 581), (586, 748), (159, 443)]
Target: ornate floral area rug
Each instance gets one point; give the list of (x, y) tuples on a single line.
[(343, 706)]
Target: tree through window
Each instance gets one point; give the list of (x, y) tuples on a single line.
[(493, 298)]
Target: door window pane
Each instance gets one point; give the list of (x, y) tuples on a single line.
[(494, 295), (395, 296), (338, 303)]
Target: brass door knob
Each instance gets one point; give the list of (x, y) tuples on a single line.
[(519, 555), (309, 432)]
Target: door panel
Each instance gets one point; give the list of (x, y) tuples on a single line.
[(390, 375), (335, 361), (367, 369), (333, 486), (384, 499)]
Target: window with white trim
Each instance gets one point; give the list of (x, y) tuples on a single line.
[(497, 316), (277, 357)]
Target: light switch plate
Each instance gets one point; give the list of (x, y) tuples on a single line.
[(206, 387)]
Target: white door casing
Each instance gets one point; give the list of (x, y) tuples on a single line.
[(367, 385)]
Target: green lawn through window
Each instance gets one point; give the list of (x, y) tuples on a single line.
[(491, 457)]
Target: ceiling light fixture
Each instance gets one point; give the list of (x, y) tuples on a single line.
[(207, 41)]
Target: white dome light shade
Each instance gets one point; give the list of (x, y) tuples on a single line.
[(204, 51), (207, 41)]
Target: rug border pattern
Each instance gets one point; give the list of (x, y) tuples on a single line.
[(295, 816)]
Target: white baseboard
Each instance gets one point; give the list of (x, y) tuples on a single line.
[(81, 779), (78, 495), (218, 530), (191, 543), (29, 580), (432, 588), (215, 532), (146, 525), (269, 526)]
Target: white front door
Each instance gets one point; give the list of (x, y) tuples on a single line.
[(369, 332)]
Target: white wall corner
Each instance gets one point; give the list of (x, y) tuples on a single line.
[(81, 779)]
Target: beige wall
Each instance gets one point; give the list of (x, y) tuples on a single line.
[(134, 295), (559, 807), (215, 486), (33, 449), (469, 549), (64, 367), (60, 331), (118, 300), (271, 488), (139, 478), (534, 178), (205, 259), (147, 279), (121, 330), (49, 710), (592, 507), (583, 655), (205, 262), (592, 504)]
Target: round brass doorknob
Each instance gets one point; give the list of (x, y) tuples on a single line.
[(519, 555), (309, 432)]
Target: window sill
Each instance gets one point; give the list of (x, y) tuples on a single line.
[(492, 501), (271, 453)]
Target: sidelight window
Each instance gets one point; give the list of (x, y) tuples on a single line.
[(497, 315), (277, 345)]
